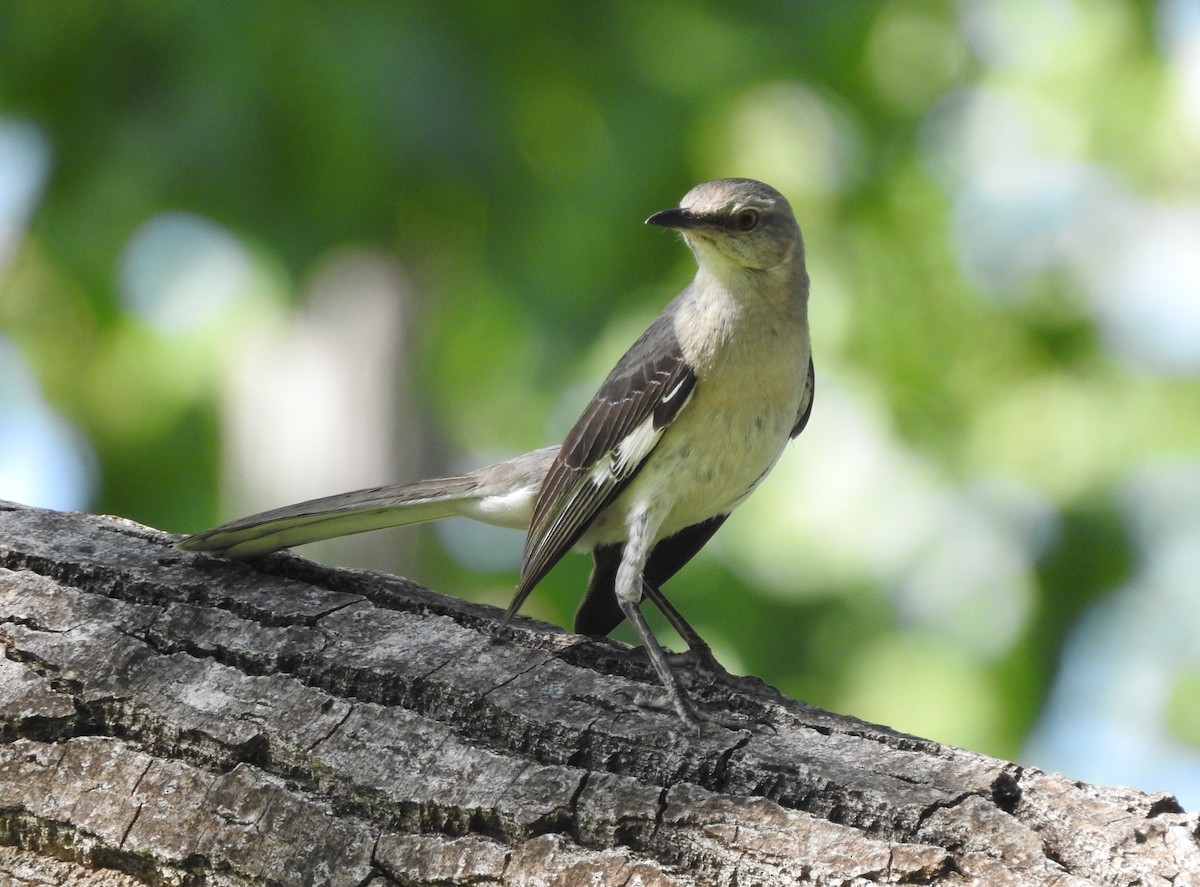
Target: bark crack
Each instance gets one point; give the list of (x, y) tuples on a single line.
[(138, 808), (295, 712)]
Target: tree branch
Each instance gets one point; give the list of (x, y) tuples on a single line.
[(176, 719)]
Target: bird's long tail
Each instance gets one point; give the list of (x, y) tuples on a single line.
[(500, 494)]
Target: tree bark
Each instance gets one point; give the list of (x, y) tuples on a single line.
[(174, 719)]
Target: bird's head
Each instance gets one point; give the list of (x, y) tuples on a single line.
[(736, 225)]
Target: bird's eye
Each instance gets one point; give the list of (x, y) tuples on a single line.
[(746, 220)]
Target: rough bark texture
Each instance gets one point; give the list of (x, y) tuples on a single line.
[(176, 719)]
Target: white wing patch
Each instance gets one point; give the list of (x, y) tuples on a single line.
[(636, 446), (628, 454), (670, 395)]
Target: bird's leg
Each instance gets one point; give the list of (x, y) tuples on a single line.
[(698, 649), (629, 587), (689, 635)]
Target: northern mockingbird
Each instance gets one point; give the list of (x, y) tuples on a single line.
[(684, 428)]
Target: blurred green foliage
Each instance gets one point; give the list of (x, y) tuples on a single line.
[(504, 155)]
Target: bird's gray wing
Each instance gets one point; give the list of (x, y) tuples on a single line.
[(806, 403), (605, 450)]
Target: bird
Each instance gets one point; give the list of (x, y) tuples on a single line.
[(683, 429)]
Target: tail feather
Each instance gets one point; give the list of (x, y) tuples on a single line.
[(333, 516), (500, 494)]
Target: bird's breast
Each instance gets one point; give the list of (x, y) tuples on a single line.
[(744, 406)]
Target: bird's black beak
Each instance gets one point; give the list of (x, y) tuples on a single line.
[(680, 219)]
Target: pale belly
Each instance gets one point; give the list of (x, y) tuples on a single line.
[(708, 461)]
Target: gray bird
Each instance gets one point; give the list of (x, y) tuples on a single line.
[(687, 424)]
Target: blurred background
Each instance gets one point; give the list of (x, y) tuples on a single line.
[(252, 253)]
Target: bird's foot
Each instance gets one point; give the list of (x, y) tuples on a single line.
[(702, 672), (702, 667), (693, 719)]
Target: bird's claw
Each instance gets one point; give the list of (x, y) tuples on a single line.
[(693, 719)]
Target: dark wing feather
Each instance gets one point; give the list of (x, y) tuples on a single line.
[(599, 613), (806, 405), (653, 381)]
